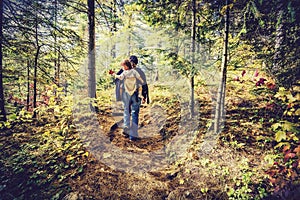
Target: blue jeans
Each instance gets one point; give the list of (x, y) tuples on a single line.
[(131, 104)]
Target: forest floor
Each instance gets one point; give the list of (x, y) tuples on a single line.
[(176, 157)]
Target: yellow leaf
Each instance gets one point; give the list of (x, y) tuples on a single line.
[(275, 126), (181, 181), (279, 145), (69, 158), (57, 109), (294, 137), (291, 98), (60, 89), (86, 154), (280, 135), (80, 152), (47, 133)]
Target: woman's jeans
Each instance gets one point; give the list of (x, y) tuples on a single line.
[(131, 104)]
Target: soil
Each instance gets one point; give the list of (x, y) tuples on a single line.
[(132, 179)]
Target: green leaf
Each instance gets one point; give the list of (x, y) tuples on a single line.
[(280, 135), (12, 117), (7, 124), (80, 169), (287, 126)]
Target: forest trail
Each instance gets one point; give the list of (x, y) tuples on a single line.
[(103, 164), (196, 176), (157, 127)]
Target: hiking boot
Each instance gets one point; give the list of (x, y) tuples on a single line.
[(126, 131), (132, 138)]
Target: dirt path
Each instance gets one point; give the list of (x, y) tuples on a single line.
[(95, 161), (122, 169), (171, 160), (102, 181), (122, 177)]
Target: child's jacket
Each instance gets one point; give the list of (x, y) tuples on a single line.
[(130, 78)]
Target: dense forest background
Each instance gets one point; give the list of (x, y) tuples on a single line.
[(222, 123)]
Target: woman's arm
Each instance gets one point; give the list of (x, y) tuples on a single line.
[(138, 76)]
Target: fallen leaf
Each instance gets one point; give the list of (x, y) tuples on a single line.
[(106, 155), (297, 150), (288, 156), (181, 181)]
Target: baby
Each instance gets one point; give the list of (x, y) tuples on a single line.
[(130, 76)]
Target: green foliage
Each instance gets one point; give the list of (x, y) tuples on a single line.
[(43, 161), (286, 130), (46, 152), (242, 189), (182, 65), (286, 164), (282, 129), (290, 101)]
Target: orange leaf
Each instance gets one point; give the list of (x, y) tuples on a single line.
[(285, 148), (272, 172), (289, 155), (273, 180), (297, 150)]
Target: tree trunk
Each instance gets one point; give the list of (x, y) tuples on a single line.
[(220, 107), (114, 27), (56, 56), (91, 51), (129, 39), (129, 42), (28, 86), (57, 67), (36, 58), (35, 80), (2, 107), (193, 45), (278, 55)]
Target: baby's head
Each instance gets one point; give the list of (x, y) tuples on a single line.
[(126, 64)]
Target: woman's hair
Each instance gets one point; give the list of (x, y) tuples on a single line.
[(127, 63)]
